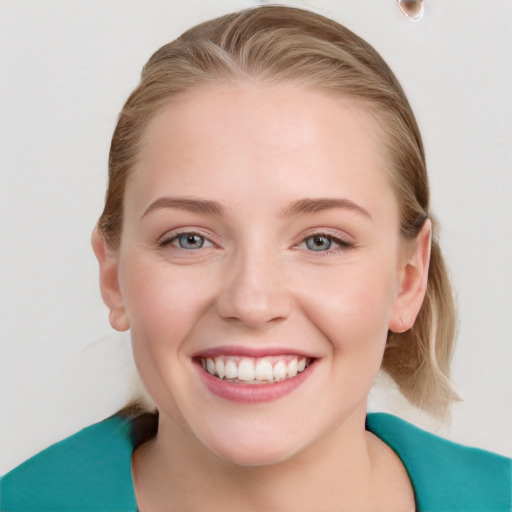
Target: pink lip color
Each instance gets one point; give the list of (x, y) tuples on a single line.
[(252, 393), (249, 352)]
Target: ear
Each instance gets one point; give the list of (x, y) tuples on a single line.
[(108, 260), (413, 279)]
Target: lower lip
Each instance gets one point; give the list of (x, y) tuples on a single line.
[(253, 393)]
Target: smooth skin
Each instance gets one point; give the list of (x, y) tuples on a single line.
[(228, 241)]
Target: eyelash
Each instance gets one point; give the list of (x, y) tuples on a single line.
[(168, 241), (341, 244)]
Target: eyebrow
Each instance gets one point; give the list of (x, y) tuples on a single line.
[(323, 203), (301, 206), (186, 203)]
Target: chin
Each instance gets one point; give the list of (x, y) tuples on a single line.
[(254, 443), (253, 455)]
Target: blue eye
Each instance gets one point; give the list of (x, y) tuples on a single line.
[(325, 243), (318, 243), (187, 241), (190, 241)]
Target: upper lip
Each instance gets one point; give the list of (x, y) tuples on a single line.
[(254, 352)]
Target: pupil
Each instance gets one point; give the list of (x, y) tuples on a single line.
[(191, 241), (318, 243)]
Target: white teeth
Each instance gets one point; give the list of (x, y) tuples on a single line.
[(264, 370), (210, 366), (220, 368), (231, 369), (280, 370), (251, 370), (291, 368), (246, 369)]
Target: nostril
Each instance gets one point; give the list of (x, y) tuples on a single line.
[(254, 309)]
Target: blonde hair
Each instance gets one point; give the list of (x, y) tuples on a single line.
[(274, 44)]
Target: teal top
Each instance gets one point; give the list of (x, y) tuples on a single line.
[(91, 471)]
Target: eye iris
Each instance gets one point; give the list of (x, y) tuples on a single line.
[(319, 243), (191, 241)]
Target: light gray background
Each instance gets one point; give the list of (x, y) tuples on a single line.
[(66, 69)]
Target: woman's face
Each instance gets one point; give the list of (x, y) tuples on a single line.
[(260, 236)]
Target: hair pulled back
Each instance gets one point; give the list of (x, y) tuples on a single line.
[(274, 44)]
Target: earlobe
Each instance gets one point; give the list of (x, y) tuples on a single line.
[(413, 282), (109, 281)]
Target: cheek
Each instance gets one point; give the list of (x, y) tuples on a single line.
[(352, 307), (164, 302), (165, 305)]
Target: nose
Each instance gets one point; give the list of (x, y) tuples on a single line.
[(254, 293)]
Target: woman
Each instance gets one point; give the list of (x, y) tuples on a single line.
[(267, 240)]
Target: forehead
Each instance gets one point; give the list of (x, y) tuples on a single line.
[(284, 139), (253, 105)]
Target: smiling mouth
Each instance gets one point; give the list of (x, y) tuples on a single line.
[(250, 370)]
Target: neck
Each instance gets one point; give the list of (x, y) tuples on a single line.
[(175, 472)]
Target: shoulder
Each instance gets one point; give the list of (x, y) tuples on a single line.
[(90, 470), (446, 475)]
